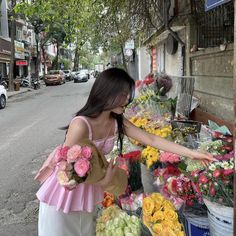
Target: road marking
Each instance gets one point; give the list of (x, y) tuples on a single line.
[(16, 135)]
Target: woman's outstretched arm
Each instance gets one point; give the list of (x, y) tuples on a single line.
[(163, 144)]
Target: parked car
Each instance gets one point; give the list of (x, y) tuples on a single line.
[(85, 71), (80, 77), (3, 97), (55, 77), (73, 73), (68, 75)]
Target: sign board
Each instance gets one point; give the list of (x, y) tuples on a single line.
[(22, 63), (154, 59), (129, 52), (129, 44), (210, 4), (19, 50)]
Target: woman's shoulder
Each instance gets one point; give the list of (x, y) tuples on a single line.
[(78, 129)]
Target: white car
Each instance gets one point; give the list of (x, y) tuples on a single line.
[(3, 97)]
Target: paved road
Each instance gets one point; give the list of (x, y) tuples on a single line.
[(29, 130)]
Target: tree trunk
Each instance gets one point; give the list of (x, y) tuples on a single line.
[(123, 59), (44, 61), (13, 35), (76, 60), (57, 56), (37, 57)]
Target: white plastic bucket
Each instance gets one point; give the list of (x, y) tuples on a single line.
[(220, 219)]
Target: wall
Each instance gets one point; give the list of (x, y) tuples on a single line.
[(144, 62), (213, 72)]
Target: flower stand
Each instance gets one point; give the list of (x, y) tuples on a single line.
[(220, 219)]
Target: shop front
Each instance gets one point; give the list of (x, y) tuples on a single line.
[(5, 56), (21, 65)]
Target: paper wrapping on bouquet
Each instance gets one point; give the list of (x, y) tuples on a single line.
[(99, 166)]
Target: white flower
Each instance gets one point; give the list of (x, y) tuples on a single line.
[(225, 165), (212, 167)]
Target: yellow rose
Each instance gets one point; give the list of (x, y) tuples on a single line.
[(167, 232), (148, 206), (158, 216), (157, 197), (166, 223), (147, 220), (157, 228), (171, 215), (177, 226), (180, 233), (168, 205)]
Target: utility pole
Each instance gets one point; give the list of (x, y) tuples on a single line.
[(13, 35)]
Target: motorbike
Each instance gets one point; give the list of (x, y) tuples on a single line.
[(35, 83), (25, 82)]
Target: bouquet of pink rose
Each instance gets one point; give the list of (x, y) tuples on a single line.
[(73, 165)]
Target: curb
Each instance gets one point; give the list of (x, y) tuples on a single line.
[(14, 93)]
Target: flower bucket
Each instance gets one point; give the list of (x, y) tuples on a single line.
[(220, 219), (196, 225)]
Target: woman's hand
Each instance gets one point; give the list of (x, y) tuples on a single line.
[(204, 157), (111, 171)]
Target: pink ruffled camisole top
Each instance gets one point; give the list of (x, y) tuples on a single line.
[(85, 196)]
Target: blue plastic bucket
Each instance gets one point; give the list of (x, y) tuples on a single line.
[(196, 226)]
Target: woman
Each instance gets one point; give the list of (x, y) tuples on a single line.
[(70, 213)]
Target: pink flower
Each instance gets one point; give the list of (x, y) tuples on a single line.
[(169, 157), (82, 167), (74, 153), (63, 152), (86, 152), (63, 165)]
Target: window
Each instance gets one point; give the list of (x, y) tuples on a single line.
[(216, 26), (18, 33)]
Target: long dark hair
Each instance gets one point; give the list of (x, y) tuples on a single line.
[(106, 94)]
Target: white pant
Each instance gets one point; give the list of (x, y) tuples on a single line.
[(56, 223)]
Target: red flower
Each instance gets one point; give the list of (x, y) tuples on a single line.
[(212, 190), (217, 173), (228, 172), (203, 179)]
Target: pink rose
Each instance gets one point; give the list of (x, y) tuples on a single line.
[(63, 165), (86, 152), (82, 167), (74, 153), (63, 152)]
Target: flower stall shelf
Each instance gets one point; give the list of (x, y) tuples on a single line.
[(220, 219)]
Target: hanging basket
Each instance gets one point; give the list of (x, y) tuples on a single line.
[(220, 219)]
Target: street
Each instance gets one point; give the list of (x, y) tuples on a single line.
[(29, 130)]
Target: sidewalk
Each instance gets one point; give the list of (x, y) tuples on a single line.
[(21, 91)]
